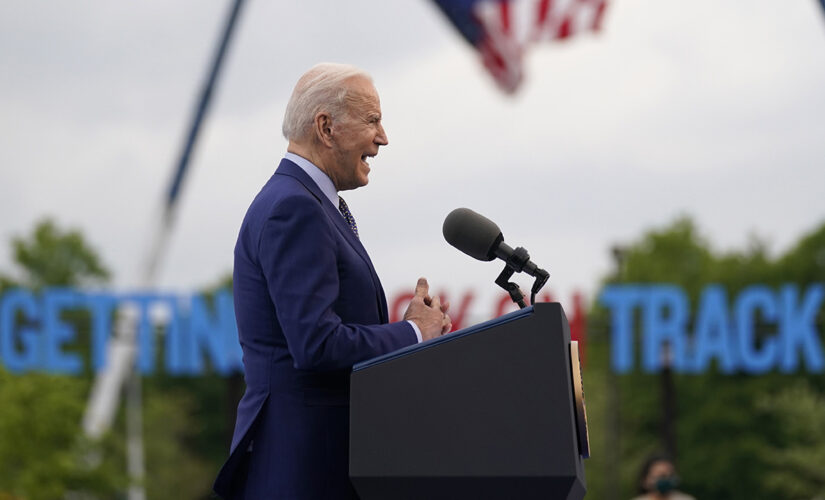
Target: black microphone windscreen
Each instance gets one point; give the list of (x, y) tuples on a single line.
[(472, 233)]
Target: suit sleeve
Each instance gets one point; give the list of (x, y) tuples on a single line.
[(298, 257)]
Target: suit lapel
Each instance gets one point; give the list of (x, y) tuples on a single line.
[(288, 168), (353, 240)]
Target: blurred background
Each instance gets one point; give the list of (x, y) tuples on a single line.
[(621, 142)]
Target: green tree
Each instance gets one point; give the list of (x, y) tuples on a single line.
[(738, 436), (42, 452), (796, 471), (51, 257)]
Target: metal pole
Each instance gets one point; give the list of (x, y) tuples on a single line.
[(668, 396), (134, 401), (613, 441), (105, 392), (134, 438)]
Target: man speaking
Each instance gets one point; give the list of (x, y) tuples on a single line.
[(308, 302)]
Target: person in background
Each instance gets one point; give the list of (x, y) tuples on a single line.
[(658, 480)]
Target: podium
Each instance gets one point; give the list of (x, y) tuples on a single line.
[(494, 411)]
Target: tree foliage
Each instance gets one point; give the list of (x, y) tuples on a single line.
[(51, 257), (43, 454), (738, 436)]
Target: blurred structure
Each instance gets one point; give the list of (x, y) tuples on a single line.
[(121, 370)]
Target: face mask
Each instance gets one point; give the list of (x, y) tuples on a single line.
[(665, 484)]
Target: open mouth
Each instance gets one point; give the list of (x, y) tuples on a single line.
[(365, 157)]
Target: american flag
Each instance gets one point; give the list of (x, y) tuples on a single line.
[(501, 30)]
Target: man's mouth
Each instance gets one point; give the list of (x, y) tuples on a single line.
[(365, 157)]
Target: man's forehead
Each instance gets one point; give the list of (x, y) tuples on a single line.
[(359, 83), (363, 89), (363, 96)]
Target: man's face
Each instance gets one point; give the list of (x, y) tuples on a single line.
[(357, 136)]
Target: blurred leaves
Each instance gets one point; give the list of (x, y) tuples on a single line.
[(51, 257), (42, 453), (173, 469), (675, 255), (738, 436), (797, 460)]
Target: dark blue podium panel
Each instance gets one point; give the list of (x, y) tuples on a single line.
[(488, 412)]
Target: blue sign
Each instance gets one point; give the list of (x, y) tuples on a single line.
[(757, 331), (33, 335)]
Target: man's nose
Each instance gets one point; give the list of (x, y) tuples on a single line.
[(381, 138)]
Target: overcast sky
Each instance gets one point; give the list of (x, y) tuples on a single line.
[(706, 108)]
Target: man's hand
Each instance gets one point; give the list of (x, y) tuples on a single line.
[(428, 313)]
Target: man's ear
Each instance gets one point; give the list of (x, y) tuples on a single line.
[(323, 128)]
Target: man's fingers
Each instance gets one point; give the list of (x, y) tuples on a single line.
[(436, 307), (446, 325), (422, 288)]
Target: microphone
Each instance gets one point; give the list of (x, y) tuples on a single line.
[(481, 238)]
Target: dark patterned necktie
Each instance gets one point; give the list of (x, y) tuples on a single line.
[(342, 206)]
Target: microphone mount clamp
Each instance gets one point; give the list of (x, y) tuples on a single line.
[(515, 263)]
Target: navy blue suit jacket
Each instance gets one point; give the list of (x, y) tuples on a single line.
[(309, 305)]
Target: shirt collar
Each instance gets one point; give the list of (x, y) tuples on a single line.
[(321, 179)]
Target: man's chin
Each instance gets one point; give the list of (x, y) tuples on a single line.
[(364, 179), (360, 182)]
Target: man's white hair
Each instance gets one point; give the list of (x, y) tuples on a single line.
[(319, 89)]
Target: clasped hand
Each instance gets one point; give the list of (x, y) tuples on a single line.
[(428, 313)]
